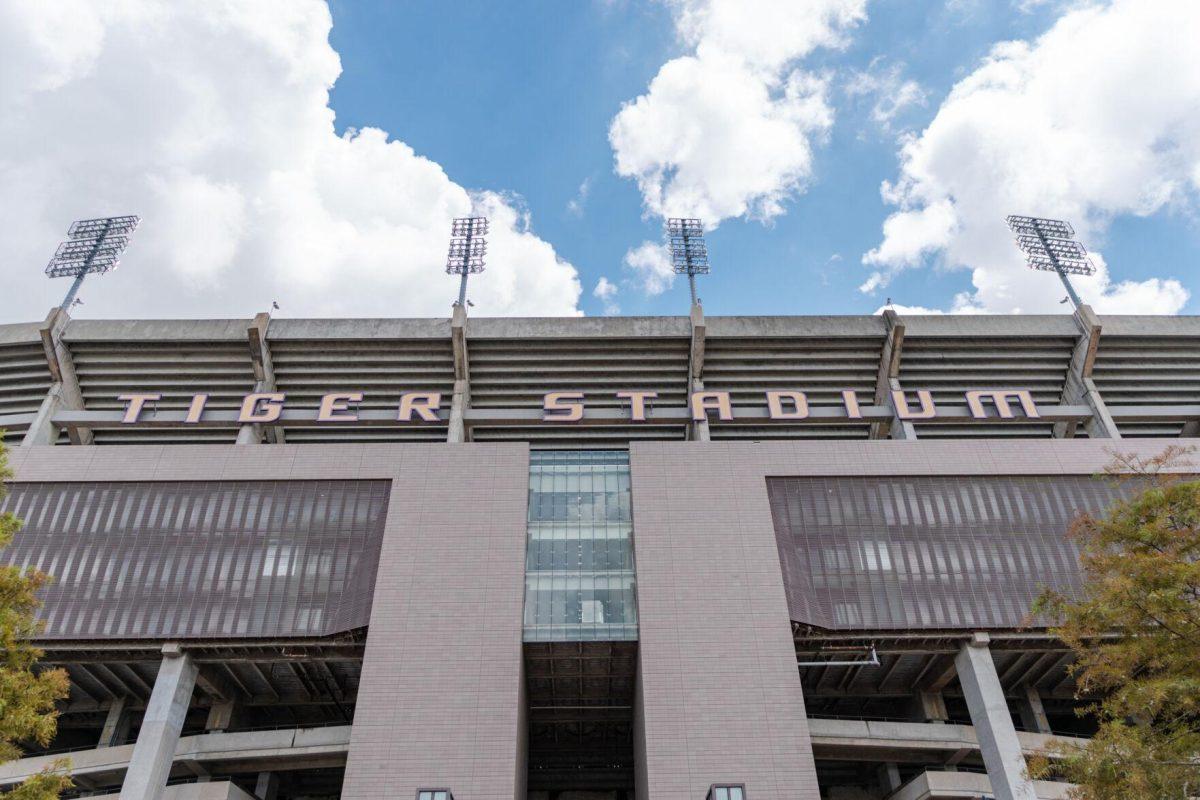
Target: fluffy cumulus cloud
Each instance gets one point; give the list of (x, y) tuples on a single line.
[(649, 268), (727, 130), (606, 292), (212, 121), (1098, 117)]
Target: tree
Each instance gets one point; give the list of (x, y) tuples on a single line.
[(27, 696), (1135, 630)]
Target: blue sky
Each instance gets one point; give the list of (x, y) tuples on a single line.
[(518, 97), (312, 153)]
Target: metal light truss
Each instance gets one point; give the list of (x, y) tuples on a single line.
[(467, 247), (93, 247), (689, 253), (1049, 245)]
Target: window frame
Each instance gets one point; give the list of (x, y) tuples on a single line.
[(712, 790)]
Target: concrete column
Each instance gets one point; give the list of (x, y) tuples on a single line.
[(62, 370), (697, 431), (457, 432), (41, 431), (1033, 713), (993, 726), (150, 765), (116, 724), (888, 379), (889, 778), (264, 381), (267, 786), (1078, 387)]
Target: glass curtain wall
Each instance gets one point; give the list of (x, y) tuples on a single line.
[(579, 574)]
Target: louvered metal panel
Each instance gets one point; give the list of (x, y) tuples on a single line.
[(382, 369), (949, 366), (516, 373), (1150, 371), (820, 367), (24, 381), (175, 369)]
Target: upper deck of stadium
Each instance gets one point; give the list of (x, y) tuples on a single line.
[(1144, 370)]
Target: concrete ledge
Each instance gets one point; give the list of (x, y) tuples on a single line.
[(307, 744), (216, 790), (966, 786), (866, 734)]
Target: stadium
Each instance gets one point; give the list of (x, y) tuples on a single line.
[(671, 558)]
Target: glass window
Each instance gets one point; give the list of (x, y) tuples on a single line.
[(726, 792), (580, 581), (434, 794)]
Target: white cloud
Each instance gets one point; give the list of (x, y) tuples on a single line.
[(577, 203), (728, 130), (1098, 117), (891, 92), (606, 293), (212, 121), (651, 268)]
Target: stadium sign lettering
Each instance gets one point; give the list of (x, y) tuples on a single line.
[(264, 408)]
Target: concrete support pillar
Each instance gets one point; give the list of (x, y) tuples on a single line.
[(930, 706), (1033, 713), (993, 726), (264, 381), (154, 751), (889, 778), (267, 786), (697, 430), (116, 724), (1078, 388), (66, 382), (888, 379), (42, 431), (457, 431)]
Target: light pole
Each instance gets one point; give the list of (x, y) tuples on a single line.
[(1049, 244), (93, 246)]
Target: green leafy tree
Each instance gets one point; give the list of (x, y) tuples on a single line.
[(1135, 631), (27, 696)]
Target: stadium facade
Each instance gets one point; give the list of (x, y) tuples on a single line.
[(663, 558)]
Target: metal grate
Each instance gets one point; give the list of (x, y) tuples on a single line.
[(201, 559), (887, 553)]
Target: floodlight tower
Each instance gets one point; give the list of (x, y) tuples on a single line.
[(92, 247), (689, 253), (467, 249), (1049, 245)]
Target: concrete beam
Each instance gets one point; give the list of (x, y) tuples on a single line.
[(998, 742), (1033, 713), (267, 786), (162, 723), (1078, 387), (888, 378), (461, 400), (64, 393), (220, 716), (698, 431), (264, 380), (930, 706), (116, 723)]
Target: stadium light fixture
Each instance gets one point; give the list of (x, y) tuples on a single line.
[(1049, 244), (467, 249), (689, 253), (93, 247)]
